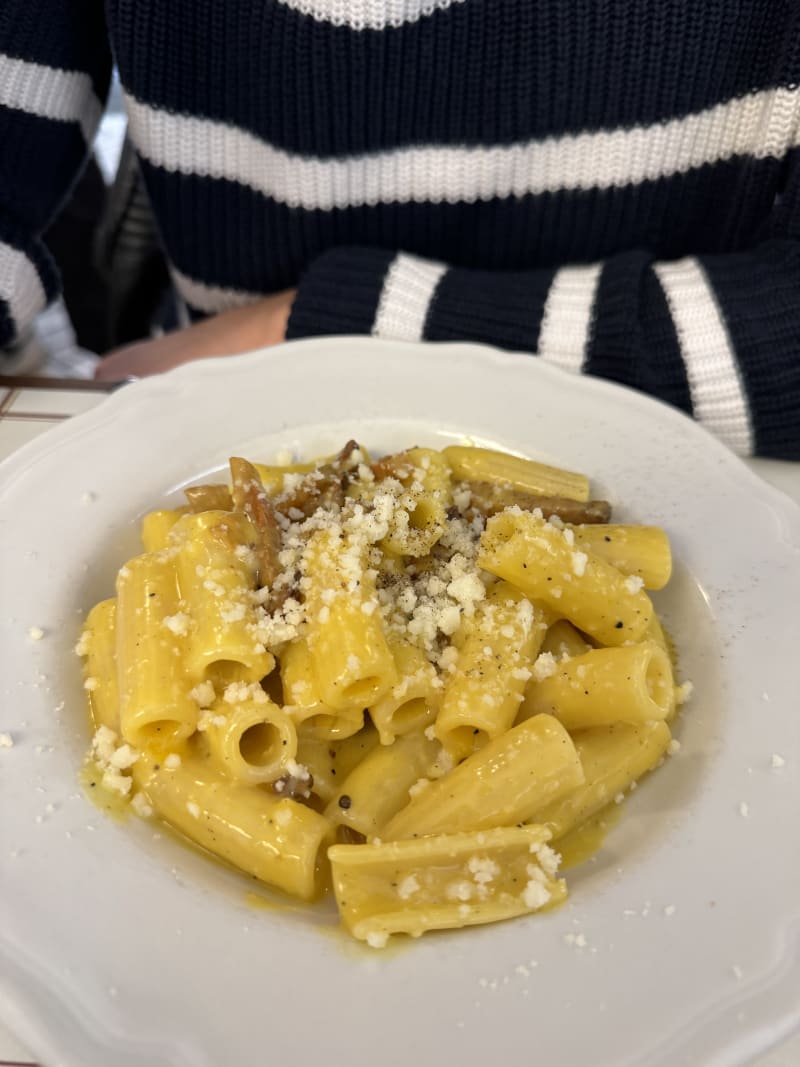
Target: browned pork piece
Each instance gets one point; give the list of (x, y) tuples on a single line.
[(324, 486), (489, 499), (250, 499)]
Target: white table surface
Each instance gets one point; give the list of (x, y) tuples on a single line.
[(32, 408)]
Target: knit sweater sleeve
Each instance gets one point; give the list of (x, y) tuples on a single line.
[(55, 68), (715, 335)]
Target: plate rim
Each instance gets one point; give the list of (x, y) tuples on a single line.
[(42, 447), (140, 388)]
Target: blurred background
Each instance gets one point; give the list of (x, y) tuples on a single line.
[(116, 286)]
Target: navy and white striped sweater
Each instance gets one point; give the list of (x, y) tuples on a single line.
[(612, 184)]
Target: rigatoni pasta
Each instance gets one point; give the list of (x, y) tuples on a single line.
[(251, 739), (413, 701), (405, 678), (606, 685), (482, 699), (378, 787), (542, 561), (446, 881), (301, 693), (347, 644), (504, 783), (216, 575), (155, 705)]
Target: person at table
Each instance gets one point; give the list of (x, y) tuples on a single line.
[(615, 186)]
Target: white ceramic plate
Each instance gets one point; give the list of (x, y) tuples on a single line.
[(116, 947)]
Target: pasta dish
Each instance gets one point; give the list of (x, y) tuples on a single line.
[(406, 679)]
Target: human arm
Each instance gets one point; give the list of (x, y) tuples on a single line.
[(715, 335), (238, 330), (55, 67)]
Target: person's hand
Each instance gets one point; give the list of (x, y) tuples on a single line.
[(239, 330)]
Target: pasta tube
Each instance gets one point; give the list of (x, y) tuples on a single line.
[(483, 697), (273, 476), (156, 528), (443, 882), (251, 741), (612, 758), (301, 694), (506, 782), (330, 762), (99, 645), (657, 634), (606, 685), (486, 465), (641, 551), (436, 481), (351, 659), (378, 787), (562, 640), (414, 532), (413, 702), (275, 840), (217, 578), (542, 561), (154, 703)]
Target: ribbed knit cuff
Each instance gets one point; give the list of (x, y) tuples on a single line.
[(28, 281), (633, 338), (502, 308), (339, 293), (399, 296), (758, 296)]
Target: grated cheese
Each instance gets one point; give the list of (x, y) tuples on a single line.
[(177, 624), (459, 890), (549, 859), (283, 816), (239, 692), (203, 694), (113, 759), (297, 770), (535, 895), (482, 869), (683, 693), (579, 561), (408, 887), (123, 757), (544, 667), (140, 805)]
